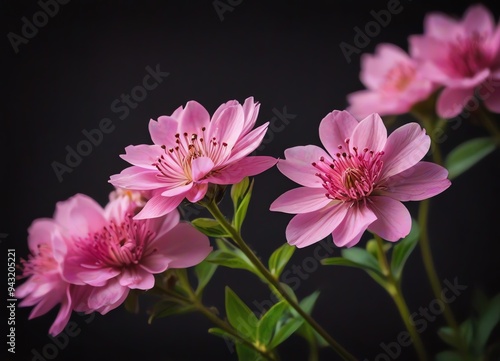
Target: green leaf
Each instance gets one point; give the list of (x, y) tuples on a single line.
[(245, 353), (231, 260), (240, 316), (241, 210), (222, 333), (489, 318), (132, 301), (238, 191), (362, 257), (168, 308), (204, 272), (467, 154), (285, 331), (403, 249), (209, 226), (279, 258), (307, 303), (448, 356), (268, 322), (447, 334)]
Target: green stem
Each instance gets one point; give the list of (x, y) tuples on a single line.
[(208, 313), (394, 290), (273, 281), (430, 269), (490, 124)]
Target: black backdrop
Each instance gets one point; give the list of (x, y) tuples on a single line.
[(284, 53)]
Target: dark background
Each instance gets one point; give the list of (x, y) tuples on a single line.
[(285, 54)]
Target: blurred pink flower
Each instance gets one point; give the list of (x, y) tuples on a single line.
[(45, 286), (88, 258), (394, 83), (190, 151), (463, 56), (360, 183)]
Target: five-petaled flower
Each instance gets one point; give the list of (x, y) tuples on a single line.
[(360, 183), (191, 151)]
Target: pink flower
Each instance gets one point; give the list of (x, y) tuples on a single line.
[(45, 286), (463, 56), (360, 183), (394, 83), (88, 258), (117, 253), (190, 151)]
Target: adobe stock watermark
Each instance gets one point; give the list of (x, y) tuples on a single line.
[(293, 277), (365, 34), (52, 349), (277, 124), (223, 6), (421, 319), (30, 27), (122, 107)]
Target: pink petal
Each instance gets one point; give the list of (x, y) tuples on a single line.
[(369, 133), (440, 26), (354, 224), (200, 167), (478, 19), (159, 206), (182, 247), (298, 165), (117, 209), (393, 219), (142, 155), (177, 189), (163, 131), (48, 301), (162, 225), (107, 297), (80, 214), (301, 200), (136, 278), (365, 102), (227, 127), (250, 111), (197, 192), (248, 143), (41, 231), (451, 101), (335, 128), (62, 317), (137, 178), (308, 228), (97, 277), (492, 100), (246, 167), (193, 118), (405, 147), (374, 68), (423, 180)]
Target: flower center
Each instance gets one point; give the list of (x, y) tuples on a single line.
[(189, 147), (117, 245), (352, 175), (399, 77), (39, 262), (468, 56)]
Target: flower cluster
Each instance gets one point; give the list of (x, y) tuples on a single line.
[(460, 58), (87, 258)]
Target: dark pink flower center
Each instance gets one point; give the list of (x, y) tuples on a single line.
[(399, 77), (189, 147), (352, 175), (468, 56), (41, 261), (117, 245)]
